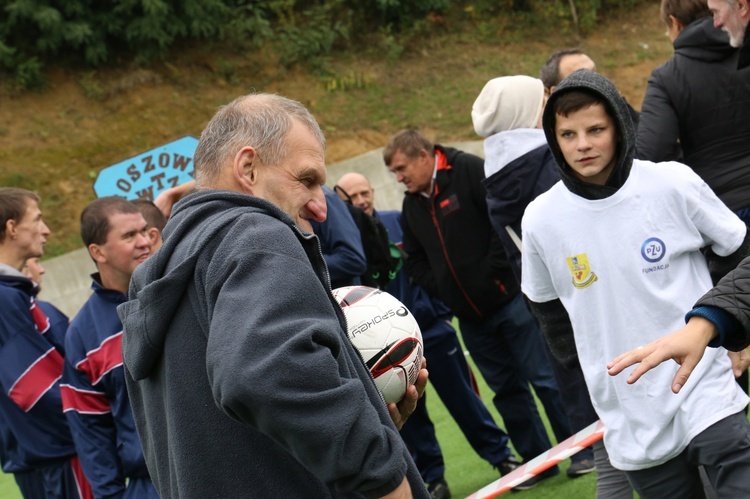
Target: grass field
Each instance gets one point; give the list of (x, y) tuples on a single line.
[(466, 472)]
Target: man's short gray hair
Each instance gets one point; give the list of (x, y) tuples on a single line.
[(261, 121)]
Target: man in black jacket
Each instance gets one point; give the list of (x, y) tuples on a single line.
[(454, 253)]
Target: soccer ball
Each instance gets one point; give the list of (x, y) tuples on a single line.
[(387, 336)]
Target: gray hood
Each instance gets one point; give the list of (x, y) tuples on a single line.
[(162, 280), (591, 81)]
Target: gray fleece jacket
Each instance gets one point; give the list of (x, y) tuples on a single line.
[(242, 380)]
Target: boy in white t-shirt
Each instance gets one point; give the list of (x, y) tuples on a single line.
[(611, 258)]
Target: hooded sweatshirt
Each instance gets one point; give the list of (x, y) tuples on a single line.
[(624, 262), (618, 108), (695, 111), (241, 376)]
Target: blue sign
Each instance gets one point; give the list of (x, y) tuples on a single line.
[(148, 174)]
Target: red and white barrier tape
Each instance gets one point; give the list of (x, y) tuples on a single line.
[(589, 435)]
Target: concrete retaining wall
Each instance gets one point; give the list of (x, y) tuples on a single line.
[(67, 283)]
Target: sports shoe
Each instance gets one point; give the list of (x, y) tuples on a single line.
[(580, 468), (507, 466), (438, 489), (535, 480)]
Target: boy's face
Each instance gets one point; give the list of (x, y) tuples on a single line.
[(587, 138)]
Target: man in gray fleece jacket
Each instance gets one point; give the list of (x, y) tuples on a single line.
[(241, 376)]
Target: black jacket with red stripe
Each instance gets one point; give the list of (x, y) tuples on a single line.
[(453, 251), (33, 429)]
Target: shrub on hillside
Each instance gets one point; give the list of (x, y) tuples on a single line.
[(91, 32)]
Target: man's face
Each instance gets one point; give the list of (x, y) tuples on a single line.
[(728, 16), (127, 245), (296, 185), (31, 232), (414, 173), (359, 190), (573, 62), (587, 140), (34, 270)]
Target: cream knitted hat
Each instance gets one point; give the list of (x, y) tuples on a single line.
[(507, 103)]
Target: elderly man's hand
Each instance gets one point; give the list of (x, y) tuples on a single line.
[(685, 346), (166, 199), (400, 412)]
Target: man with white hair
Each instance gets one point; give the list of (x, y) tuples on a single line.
[(733, 17)]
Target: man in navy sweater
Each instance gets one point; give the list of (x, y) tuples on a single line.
[(95, 399)]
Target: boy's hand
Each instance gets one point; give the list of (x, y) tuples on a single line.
[(685, 346)]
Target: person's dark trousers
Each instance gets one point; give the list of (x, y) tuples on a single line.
[(419, 436), (451, 378), (723, 449), (65, 480), (30, 483), (575, 396), (508, 349)]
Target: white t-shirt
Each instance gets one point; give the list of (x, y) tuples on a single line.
[(627, 268)]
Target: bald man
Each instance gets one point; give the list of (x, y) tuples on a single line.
[(450, 374)]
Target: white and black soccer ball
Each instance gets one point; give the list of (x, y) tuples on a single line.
[(386, 334)]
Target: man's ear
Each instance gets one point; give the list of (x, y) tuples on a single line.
[(246, 168), (10, 229), (425, 156), (153, 235), (676, 22), (97, 253)]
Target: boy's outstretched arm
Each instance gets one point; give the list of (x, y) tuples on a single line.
[(557, 329), (685, 346), (720, 318)]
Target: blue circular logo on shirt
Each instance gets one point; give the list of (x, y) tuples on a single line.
[(653, 249)]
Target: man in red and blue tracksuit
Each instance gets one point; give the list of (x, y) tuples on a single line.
[(35, 438), (95, 399)]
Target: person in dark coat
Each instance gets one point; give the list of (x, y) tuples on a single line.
[(696, 106)]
